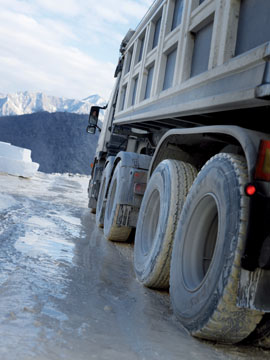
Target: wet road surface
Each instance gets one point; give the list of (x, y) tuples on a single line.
[(67, 293)]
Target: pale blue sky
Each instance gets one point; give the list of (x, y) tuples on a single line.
[(65, 48)]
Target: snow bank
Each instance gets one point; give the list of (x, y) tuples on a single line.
[(16, 161)]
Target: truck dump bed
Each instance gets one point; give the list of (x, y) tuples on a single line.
[(191, 58)]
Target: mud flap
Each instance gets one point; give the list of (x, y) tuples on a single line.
[(127, 215), (254, 290)]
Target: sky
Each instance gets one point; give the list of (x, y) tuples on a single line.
[(66, 48)]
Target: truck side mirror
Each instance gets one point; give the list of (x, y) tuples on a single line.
[(93, 116), (93, 119)]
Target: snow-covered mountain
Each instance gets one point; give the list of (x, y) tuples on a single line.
[(27, 103)]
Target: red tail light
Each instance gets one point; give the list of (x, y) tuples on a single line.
[(250, 189), (139, 189)]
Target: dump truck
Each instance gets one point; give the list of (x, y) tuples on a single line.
[(183, 162)]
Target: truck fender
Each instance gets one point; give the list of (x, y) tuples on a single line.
[(133, 160), (248, 140), (131, 179), (129, 164)]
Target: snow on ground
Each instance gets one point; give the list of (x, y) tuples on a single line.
[(68, 293), (39, 225)]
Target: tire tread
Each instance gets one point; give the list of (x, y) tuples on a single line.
[(228, 323), (182, 177)]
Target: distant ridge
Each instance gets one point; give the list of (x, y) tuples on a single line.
[(58, 141), (22, 103)]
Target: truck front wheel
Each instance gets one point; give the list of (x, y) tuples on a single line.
[(208, 245)]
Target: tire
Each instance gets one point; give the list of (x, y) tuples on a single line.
[(90, 200), (158, 217), (112, 231), (101, 197), (208, 245)]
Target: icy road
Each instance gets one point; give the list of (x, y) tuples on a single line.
[(67, 293)]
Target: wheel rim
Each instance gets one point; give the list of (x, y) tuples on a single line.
[(200, 242), (150, 223)]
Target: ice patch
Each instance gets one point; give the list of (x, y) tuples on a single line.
[(35, 245), (41, 222), (16, 161), (53, 313), (70, 219), (6, 201)]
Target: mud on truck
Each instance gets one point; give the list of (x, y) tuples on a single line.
[(183, 161)]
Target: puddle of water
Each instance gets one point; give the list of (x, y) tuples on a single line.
[(35, 245), (70, 219)]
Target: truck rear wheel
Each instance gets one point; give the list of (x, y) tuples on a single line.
[(158, 217), (112, 230), (209, 240)]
